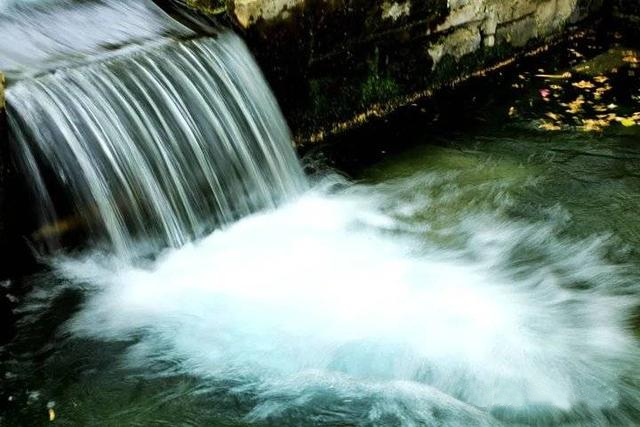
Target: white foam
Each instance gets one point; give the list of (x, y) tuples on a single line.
[(317, 289)]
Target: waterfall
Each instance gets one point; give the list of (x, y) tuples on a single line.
[(430, 297), (154, 144)]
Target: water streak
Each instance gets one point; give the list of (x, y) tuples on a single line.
[(159, 146)]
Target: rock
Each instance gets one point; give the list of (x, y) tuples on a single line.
[(7, 318), (2, 83), (461, 42), (4, 145), (14, 250), (395, 10), (248, 12)]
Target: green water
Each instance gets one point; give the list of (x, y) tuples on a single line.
[(489, 160), (559, 203), (592, 179)]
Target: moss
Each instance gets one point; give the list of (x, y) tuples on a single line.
[(379, 89), (330, 100), (208, 6), (320, 101)]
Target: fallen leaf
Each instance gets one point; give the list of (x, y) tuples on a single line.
[(549, 126), (600, 79), (583, 84), (576, 105), (607, 117), (576, 53), (52, 414), (601, 91), (593, 125), (627, 122)]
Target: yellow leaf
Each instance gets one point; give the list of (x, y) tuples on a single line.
[(576, 53), (549, 126), (583, 84), (576, 105), (552, 116), (627, 122), (592, 125), (52, 414), (608, 117), (600, 79)]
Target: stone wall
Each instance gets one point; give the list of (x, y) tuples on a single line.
[(333, 63)]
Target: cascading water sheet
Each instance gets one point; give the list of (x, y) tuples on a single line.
[(151, 144), (159, 146)]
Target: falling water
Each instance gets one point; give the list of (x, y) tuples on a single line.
[(413, 302), (159, 145)]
